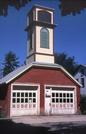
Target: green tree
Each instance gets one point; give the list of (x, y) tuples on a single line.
[(10, 63), (66, 6), (72, 6), (83, 104), (4, 4), (67, 62)]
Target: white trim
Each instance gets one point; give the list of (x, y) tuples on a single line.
[(27, 84), (68, 86), (11, 99), (75, 97), (45, 100), (44, 65), (60, 67), (71, 76)]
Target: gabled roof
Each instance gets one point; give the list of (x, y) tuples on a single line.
[(84, 65), (11, 76), (79, 68)]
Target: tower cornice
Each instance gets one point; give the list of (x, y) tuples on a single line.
[(39, 23)]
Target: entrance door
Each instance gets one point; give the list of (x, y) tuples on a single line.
[(48, 101)]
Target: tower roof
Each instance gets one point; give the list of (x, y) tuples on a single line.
[(41, 7)]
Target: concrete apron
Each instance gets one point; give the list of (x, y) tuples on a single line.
[(40, 120)]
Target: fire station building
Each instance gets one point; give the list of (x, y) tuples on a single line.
[(40, 87)]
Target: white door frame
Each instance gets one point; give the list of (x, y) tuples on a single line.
[(48, 97), (26, 84), (65, 86)]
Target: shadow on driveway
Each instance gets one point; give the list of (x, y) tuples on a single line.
[(7, 126)]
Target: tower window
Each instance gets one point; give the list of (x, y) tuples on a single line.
[(44, 38), (44, 16), (31, 39), (30, 47)]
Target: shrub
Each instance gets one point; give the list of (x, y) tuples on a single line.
[(83, 104)]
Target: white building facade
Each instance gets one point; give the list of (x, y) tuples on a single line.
[(80, 76)]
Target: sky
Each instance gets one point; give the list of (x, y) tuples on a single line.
[(69, 35)]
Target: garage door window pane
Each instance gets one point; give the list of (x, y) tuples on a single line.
[(26, 100), (18, 94), (67, 94), (60, 100), (14, 94), (30, 100), (30, 94), (22, 100), (53, 94), (68, 100), (14, 100), (34, 94), (26, 94), (34, 100), (71, 100), (64, 100), (56, 94), (71, 95), (22, 94), (64, 95), (60, 94), (56, 100), (53, 100), (18, 100)]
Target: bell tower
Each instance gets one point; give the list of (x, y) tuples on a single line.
[(40, 33)]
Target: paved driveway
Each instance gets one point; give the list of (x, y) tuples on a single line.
[(68, 124), (41, 120)]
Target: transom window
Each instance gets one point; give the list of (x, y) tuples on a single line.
[(44, 38)]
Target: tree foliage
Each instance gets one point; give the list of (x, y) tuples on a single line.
[(83, 104), (10, 63), (72, 6), (67, 62), (66, 6), (4, 4)]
